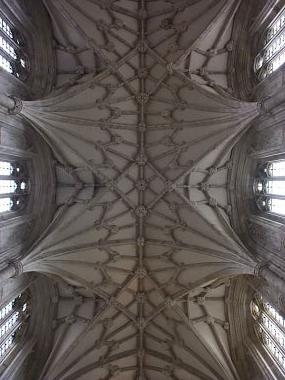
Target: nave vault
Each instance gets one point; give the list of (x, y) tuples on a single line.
[(142, 137)]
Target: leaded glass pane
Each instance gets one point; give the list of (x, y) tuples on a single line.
[(275, 27), (7, 186), (6, 28), (6, 346), (277, 61), (271, 330), (5, 64), (9, 324), (6, 168), (12, 54), (6, 310), (270, 309), (274, 349), (277, 206), (272, 56), (275, 187), (270, 187), (8, 48), (15, 186), (276, 169), (5, 204), (12, 317)]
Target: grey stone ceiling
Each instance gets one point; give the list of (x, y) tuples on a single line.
[(142, 124)]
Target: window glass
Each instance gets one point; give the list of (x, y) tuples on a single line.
[(270, 329), (6, 28), (272, 54), (12, 317), (13, 58), (7, 186), (13, 186), (276, 169), (270, 187), (275, 187), (6, 168), (5, 204)]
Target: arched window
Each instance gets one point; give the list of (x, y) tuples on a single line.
[(13, 186), (13, 317), (270, 329), (13, 58), (270, 187), (272, 54)]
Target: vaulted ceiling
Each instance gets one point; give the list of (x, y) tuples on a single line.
[(141, 123)]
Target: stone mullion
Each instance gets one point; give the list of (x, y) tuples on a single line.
[(12, 177), (273, 178), (13, 194), (273, 196)]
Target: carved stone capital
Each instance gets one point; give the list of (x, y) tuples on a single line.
[(259, 267), (18, 266), (18, 106)]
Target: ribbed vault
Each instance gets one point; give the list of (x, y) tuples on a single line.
[(144, 146)]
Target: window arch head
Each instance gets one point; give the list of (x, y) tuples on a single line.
[(270, 187), (13, 57), (13, 186), (272, 53), (270, 330)]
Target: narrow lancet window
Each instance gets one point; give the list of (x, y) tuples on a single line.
[(13, 58), (13, 186), (270, 329), (13, 317), (272, 54), (270, 187)]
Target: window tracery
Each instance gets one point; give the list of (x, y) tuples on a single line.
[(13, 57), (270, 329), (13, 186), (270, 187), (12, 322), (272, 54)]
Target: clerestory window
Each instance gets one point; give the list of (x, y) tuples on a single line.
[(272, 53), (270, 329), (270, 187), (13, 58), (13, 317), (13, 186)]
